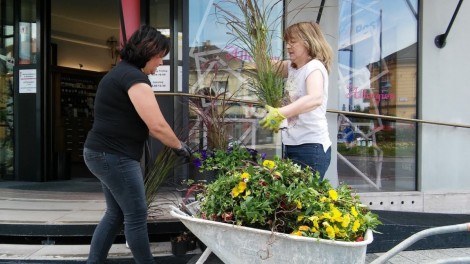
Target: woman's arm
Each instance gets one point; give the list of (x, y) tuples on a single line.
[(143, 99)]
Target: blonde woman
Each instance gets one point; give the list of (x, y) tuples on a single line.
[(305, 137)]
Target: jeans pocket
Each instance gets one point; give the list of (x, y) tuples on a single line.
[(95, 161), (93, 155)]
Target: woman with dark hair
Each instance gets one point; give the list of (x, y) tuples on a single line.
[(125, 113)]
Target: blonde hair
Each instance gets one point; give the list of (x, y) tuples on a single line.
[(313, 39)]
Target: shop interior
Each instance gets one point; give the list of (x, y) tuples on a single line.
[(84, 43)]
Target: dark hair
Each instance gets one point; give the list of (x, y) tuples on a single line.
[(143, 45)]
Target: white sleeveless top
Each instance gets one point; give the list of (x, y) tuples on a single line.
[(309, 127)]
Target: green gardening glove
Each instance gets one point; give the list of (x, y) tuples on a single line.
[(273, 119)]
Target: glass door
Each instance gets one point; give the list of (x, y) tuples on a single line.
[(6, 90), (377, 65)]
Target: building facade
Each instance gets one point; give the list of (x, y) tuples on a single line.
[(396, 107)]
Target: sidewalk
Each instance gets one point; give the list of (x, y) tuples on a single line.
[(80, 203)]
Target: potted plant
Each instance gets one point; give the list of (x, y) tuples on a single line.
[(252, 30), (278, 195), (182, 243), (179, 244), (272, 209)]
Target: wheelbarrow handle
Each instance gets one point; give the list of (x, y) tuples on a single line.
[(422, 234), (177, 211)]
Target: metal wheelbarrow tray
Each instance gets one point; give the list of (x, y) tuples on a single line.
[(241, 245)]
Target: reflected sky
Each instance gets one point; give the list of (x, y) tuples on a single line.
[(205, 23)]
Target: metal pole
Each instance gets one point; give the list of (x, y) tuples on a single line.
[(440, 40), (356, 114)]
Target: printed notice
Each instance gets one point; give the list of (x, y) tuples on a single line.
[(27, 81), (161, 79)]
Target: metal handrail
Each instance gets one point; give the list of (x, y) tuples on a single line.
[(465, 227), (397, 118), (394, 118)]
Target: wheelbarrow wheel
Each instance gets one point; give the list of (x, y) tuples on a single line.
[(212, 259)]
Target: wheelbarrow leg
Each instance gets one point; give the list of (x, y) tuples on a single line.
[(204, 256)]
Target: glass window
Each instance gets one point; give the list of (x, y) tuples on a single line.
[(377, 60), (218, 69), (6, 90), (160, 18), (28, 32)]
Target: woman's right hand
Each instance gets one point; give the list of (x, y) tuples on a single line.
[(184, 151)]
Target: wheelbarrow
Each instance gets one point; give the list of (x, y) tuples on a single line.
[(235, 244)]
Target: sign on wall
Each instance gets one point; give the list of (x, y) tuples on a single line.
[(27, 81), (161, 79)]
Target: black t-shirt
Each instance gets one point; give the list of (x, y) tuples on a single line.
[(117, 128)]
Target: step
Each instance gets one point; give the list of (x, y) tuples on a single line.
[(119, 253)]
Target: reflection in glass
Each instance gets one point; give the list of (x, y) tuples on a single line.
[(6, 92), (377, 68), (27, 31), (27, 43), (218, 69)]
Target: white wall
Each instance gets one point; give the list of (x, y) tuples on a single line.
[(444, 94), (329, 25)]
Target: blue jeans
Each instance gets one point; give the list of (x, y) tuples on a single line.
[(123, 186), (310, 154)]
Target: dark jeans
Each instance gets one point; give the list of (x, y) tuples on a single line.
[(311, 154), (123, 187)]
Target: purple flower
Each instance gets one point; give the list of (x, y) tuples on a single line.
[(204, 154), (253, 152), (197, 163), (263, 156)]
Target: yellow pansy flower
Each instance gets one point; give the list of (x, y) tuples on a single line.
[(337, 231), (238, 189), (336, 215), (314, 219), (299, 204), (330, 231), (323, 199), (296, 233), (303, 228), (277, 175), (268, 164), (353, 211), (326, 215), (356, 226), (333, 195), (340, 232), (242, 186), (235, 191), (300, 218), (346, 221), (245, 176)]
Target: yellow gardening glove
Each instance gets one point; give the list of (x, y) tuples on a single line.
[(273, 119)]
